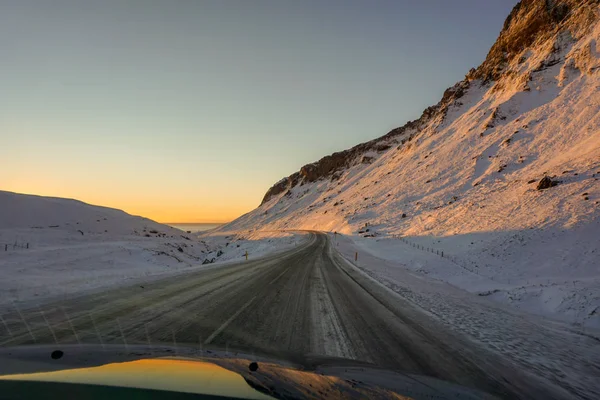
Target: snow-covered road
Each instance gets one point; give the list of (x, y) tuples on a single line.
[(307, 300)]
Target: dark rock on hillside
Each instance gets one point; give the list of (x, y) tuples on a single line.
[(546, 183), (281, 186), (382, 147), (367, 160)]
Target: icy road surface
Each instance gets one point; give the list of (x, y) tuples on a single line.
[(308, 300)]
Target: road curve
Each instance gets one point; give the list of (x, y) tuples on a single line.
[(306, 301)]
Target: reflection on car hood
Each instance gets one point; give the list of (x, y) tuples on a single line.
[(217, 373), (174, 375)]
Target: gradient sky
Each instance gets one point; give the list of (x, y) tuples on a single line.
[(189, 110)]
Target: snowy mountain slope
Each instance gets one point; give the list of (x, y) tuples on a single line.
[(463, 177)]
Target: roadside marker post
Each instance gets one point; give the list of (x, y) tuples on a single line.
[(356, 256), (246, 255)]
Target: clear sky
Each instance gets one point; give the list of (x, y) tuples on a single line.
[(189, 110)]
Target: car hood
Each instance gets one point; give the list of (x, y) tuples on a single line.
[(218, 373)]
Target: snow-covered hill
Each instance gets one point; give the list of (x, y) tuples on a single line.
[(30, 211), (464, 177)]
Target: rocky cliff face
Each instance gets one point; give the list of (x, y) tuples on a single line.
[(528, 22), (531, 23), (534, 23)]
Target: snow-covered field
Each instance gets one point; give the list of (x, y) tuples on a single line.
[(464, 179), (52, 247)]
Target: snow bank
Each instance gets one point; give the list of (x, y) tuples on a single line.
[(483, 265)]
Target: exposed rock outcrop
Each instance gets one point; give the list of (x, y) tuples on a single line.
[(533, 22)]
